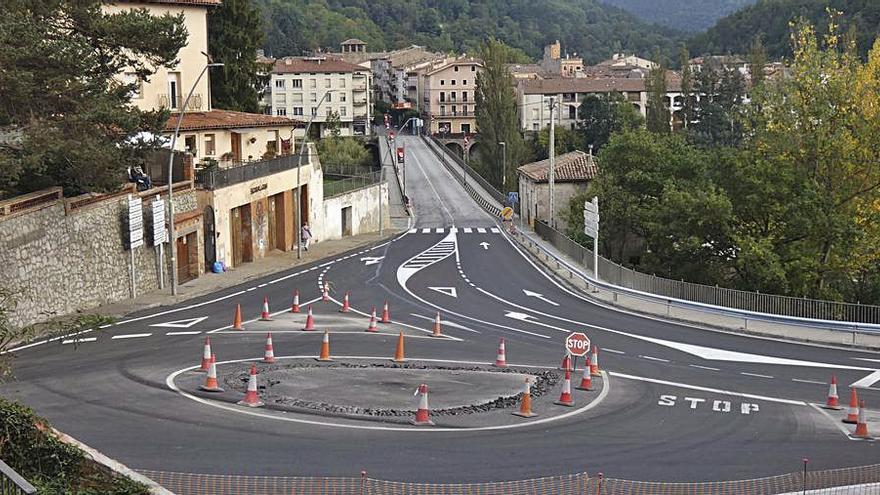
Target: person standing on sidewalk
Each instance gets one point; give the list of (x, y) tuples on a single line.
[(306, 235)]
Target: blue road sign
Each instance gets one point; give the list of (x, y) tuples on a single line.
[(513, 197)]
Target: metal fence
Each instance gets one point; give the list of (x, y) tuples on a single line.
[(11, 483), (336, 187), (216, 178), (613, 273), (862, 480), (347, 171)]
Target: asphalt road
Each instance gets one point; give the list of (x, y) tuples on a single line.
[(665, 417)]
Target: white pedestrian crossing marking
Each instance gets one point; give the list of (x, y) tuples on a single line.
[(481, 230), (495, 230), (439, 230), (426, 231), (468, 230)]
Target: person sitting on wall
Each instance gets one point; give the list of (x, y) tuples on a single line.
[(141, 180)]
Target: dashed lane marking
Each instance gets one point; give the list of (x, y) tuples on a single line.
[(193, 332), (651, 358), (79, 341), (612, 351), (130, 336), (756, 375), (814, 382), (704, 367)]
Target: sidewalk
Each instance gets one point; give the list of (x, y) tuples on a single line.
[(208, 283), (399, 215)]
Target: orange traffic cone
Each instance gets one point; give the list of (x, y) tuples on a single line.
[(325, 348), (206, 355), (437, 332), (213, 358), (252, 397), (423, 417), (386, 315), (566, 362), (398, 353), (832, 401), (269, 356), (325, 294), (236, 321), (211, 380), (264, 315), (373, 328), (586, 379), (525, 404), (310, 320), (862, 426), (594, 362), (852, 416), (294, 308), (501, 357), (345, 305), (565, 396)]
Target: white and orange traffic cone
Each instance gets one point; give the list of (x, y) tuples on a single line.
[(423, 415), (437, 331), (325, 348), (565, 396), (211, 380), (325, 294), (252, 397), (566, 362), (236, 320), (832, 402), (386, 315), (213, 358), (594, 362), (586, 378), (269, 355), (310, 320), (294, 308), (862, 426), (525, 404), (852, 416), (264, 314), (398, 352), (345, 306), (373, 328), (206, 355), (501, 357)]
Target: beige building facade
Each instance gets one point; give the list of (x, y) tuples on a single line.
[(572, 172), (449, 103)]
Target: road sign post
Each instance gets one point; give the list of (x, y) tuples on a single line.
[(160, 235), (134, 225), (591, 228)]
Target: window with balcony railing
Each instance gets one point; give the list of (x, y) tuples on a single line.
[(174, 102)]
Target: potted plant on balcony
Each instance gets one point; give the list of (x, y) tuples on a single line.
[(226, 157)]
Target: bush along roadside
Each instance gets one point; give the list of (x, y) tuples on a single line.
[(28, 445)]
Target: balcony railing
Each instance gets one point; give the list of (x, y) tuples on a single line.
[(216, 178), (194, 105)]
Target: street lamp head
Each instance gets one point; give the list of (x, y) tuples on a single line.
[(502, 143), (216, 64)]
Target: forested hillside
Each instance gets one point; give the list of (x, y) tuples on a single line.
[(685, 15), (587, 27), (770, 20)]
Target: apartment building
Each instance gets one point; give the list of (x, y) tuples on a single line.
[(397, 74), (298, 84), (448, 96)]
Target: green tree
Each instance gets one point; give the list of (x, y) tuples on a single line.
[(687, 88), (564, 140), (718, 115), (496, 117), (334, 124), (235, 32), (343, 153), (757, 60), (600, 116), (63, 100), (658, 118)]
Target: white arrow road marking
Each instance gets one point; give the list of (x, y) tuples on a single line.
[(517, 316), (867, 381), (130, 336), (539, 296), (372, 260), (449, 291), (446, 323), (181, 323), (485, 245)]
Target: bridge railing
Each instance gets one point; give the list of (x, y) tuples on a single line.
[(450, 161), (473, 174), (12, 483), (845, 481)]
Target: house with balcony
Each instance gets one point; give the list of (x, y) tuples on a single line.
[(298, 84), (449, 103)]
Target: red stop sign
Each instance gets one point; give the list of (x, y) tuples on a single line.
[(578, 344)]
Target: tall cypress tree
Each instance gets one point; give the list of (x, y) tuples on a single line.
[(658, 110), (235, 32), (687, 88)]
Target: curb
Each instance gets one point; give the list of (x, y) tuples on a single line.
[(112, 464)]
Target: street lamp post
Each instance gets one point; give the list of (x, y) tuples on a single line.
[(504, 166), (302, 149), (552, 178), (172, 239)]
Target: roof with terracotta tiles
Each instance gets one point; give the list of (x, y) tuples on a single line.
[(226, 119), (575, 166), (207, 3), (290, 65)]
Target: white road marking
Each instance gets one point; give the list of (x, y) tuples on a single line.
[(867, 381), (353, 310), (449, 291), (867, 359), (250, 289), (705, 389), (756, 375), (130, 336), (181, 323), (262, 285), (612, 351), (439, 230), (815, 382), (495, 230), (529, 293), (481, 230), (446, 323), (426, 231), (836, 422), (485, 245), (651, 358), (700, 367), (468, 230), (306, 303), (410, 231), (192, 332), (79, 341), (372, 260)]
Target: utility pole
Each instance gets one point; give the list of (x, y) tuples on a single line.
[(552, 179), (299, 160), (504, 161)]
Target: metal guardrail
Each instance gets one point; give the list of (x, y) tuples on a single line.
[(337, 187), (216, 178), (756, 302), (473, 174), (845, 481), (445, 156), (12, 483)]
